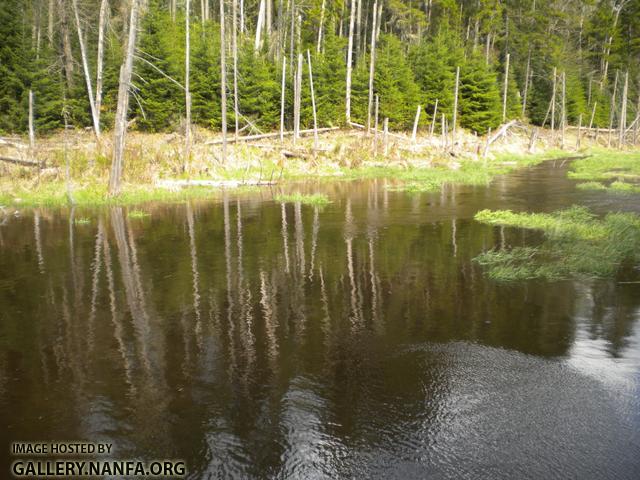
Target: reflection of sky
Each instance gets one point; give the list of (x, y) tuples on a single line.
[(591, 353)]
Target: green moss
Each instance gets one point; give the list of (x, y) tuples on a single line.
[(577, 243), (306, 199), (591, 186)]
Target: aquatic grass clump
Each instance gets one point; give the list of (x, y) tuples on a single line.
[(577, 243), (138, 214), (305, 199), (624, 188)]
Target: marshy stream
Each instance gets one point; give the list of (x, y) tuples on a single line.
[(355, 340)]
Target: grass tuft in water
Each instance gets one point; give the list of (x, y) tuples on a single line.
[(306, 199), (81, 221), (577, 243), (138, 214), (624, 188)]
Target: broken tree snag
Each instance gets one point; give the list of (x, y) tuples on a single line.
[(455, 105), (385, 137), (434, 119), (414, 134), (502, 131), (486, 146), (532, 141), (313, 105)]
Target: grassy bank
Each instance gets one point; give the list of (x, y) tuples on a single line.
[(342, 155), (577, 243)]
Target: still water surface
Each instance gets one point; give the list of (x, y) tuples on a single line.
[(358, 340)]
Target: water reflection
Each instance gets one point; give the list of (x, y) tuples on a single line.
[(256, 339)]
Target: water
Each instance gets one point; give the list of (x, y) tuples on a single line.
[(356, 340)]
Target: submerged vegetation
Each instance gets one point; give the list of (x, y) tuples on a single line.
[(305, 199), (577, 243)]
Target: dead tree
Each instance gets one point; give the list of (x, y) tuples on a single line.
[(372, 64), (350, 62), (120, 122), (223, 82), (85, 69)]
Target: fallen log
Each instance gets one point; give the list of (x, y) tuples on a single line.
[(176, 184), (249, 138), (374, 130), (23, 163)]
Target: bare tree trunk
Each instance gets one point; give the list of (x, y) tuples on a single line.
[(242, 25), (67, 52), (526, 85), (259, 26), (50, 22), (613, 108), (223, 82), (282, 98), (553, 106), (593, 114), (104, 10), (187, 91), (385, 138), (414, 134), (85, 69), (579, 132), (623, 111), (313, 105), (434, 119), (350, 61), (234, 47), (372, 65), (322, 10), (120, 122), (375, 128), (455, 107), (564, 107), (506, 87), (296, 102), (32, 135), (359, 33)]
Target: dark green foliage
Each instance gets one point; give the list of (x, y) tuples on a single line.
[(13, 66), (480, 107)]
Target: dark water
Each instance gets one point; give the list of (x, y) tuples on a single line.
[(354, 341)]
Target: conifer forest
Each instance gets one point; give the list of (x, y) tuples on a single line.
[(67, 56)]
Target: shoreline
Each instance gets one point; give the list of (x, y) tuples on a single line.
[(76, 168)]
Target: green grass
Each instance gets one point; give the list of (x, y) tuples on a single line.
[(306, 199), (607, 165), (577, 243), (81, 221)]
